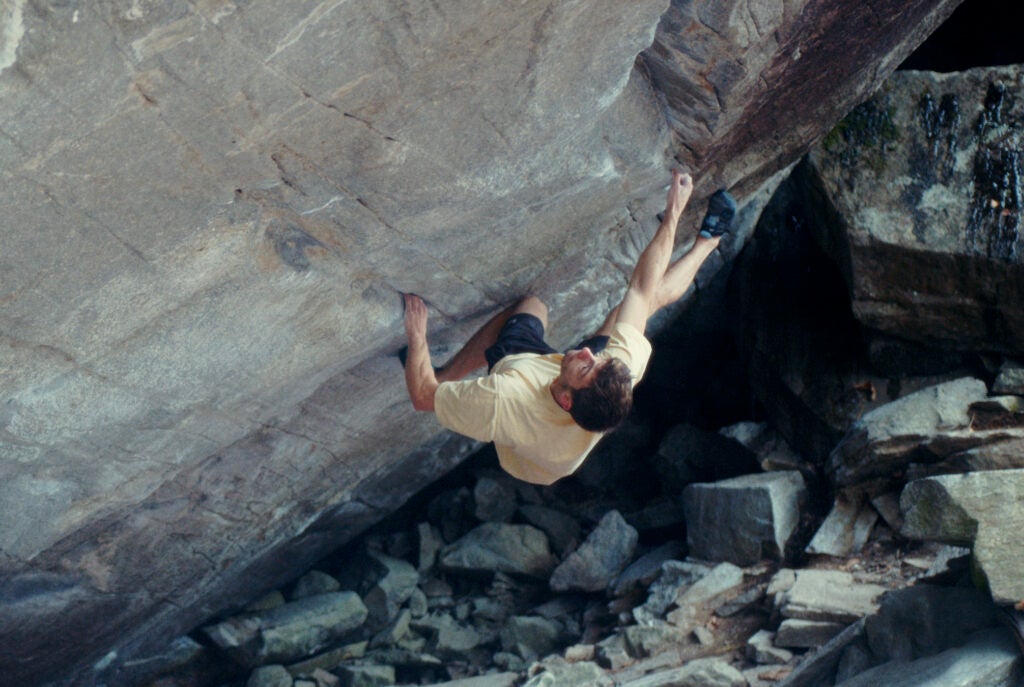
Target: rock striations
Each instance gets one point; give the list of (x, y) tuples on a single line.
[(209, 209)]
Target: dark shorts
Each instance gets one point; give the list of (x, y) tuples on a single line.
[(524, 333)]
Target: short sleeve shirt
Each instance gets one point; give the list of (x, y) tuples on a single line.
[(536, 440)]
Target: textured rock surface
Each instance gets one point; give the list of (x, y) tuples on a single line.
[(926, 175), (982, 509), (210, 206), (743, 519)]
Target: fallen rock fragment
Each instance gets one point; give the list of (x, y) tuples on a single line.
[(499, 547), (601, 557), (744, 519), (982, 509)]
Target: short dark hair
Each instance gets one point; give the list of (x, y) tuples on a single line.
[(607, 401)]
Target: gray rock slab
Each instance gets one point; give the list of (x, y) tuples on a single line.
[(562, 674), (697, 601), (530, 637), (599, 559), (904, 172), (1010, 379), (745, 519), (248, 188), (989, 659), (984, 510), (925, 619), (491, 547), (702, 672), (829, 596), (269, 676), (289, 632), (563, 530), (492, 680), (761, 649), (884, 439), (794, 633), (645, 569), (846, 529)]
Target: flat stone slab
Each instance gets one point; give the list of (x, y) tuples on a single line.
[(829, 596)]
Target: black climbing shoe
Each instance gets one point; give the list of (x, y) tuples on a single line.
[(721, 210)]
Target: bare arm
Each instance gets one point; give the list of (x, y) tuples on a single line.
[(641, 299), (420, 380)]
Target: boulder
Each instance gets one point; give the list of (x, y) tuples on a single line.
[(983, 510), (702, 672), (926, 619), (491, 547), (921, 177), (289, 632), (832, 596), (744, 519), (989, 659), (884, 441), (846, 529), (250, 186), (530, 637), (599, 559)]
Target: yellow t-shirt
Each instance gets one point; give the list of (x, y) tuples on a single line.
[(536, 440)]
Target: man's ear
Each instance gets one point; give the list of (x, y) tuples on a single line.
[(564, 399)]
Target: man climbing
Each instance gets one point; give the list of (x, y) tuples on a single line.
[(544, 410)]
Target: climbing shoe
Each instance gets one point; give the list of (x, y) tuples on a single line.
[(721, 210)]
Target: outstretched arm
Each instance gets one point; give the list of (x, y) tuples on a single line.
[(420, 379), (655, 282)]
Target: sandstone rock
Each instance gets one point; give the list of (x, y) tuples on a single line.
[(829, 596), (882, 442), (979, 509), (743, 519), (846, 529), (989, 659), (515, 549), (602, 556), (289, 632), (925, 159)]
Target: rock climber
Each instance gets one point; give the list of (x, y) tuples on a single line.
[(546, 410)]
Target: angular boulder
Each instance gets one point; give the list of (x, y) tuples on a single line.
[(984, 510), (210, 208), (924, 177), (745, 519)]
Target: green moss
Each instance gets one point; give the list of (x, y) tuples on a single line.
[(865, 135)]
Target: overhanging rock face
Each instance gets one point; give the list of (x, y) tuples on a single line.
[(210, 208)]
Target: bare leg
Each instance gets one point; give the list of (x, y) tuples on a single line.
[(471, 356), (682, 272)]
